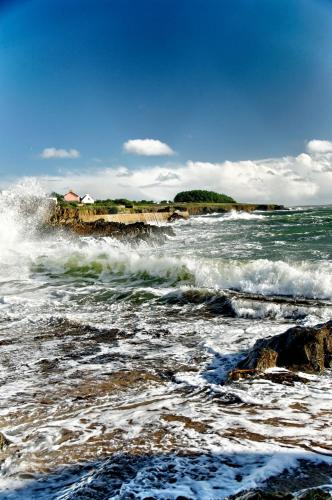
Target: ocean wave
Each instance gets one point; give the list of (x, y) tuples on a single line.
[(108, 260), (235, 215), (249, 306), (214, 217), (266, 277)]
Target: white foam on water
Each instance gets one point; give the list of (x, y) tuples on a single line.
[(239, 215), (262, 276), (215, 217)]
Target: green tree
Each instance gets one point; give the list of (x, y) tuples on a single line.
[(202, 196)]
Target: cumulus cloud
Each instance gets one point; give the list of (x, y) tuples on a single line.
[(147, 147), (293, 180), (317, 146), (49, 153)]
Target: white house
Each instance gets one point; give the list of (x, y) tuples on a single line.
[(87, 199)]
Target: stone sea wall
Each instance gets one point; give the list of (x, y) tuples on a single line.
[(149, 217)]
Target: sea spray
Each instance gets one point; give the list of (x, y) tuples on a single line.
[(23, 207)]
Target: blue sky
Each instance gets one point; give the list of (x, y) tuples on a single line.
[(216, 80)]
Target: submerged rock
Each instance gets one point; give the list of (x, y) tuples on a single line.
[(215, 303), (307, 349)]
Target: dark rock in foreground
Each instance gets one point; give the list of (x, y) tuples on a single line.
[(314, 494), (307, 349), (303, 483)]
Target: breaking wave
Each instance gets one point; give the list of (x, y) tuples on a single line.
[(108, 260), (24, 207), (235, 215)]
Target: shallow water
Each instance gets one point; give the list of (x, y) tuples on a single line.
[(114, 357)]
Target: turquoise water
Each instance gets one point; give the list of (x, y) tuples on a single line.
[(292, 235)]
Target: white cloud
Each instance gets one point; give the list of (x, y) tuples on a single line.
[(49, 153), (292, 180), (147, 147), (167, 176), (317, 146)]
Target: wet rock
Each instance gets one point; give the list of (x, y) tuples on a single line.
[(114, 382), (314, 494), (307, 349), (285, 378), (47, 365), (4, 442), (278, 377), (196, 425), (237, 374), (261, 495), (217, 304), (175, 216), (137, 230), (63, 327), (221, 305), (304, 480)]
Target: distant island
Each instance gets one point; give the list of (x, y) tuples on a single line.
[(202, 196)]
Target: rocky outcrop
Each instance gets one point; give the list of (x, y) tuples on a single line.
[(138, 230), (307, 349), (175, 216)]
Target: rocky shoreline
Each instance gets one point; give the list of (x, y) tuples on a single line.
[(95, 222), (71, 221), (118, 230)]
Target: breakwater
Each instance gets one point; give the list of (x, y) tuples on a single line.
[(124, 218)]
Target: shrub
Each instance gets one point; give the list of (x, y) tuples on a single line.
[(122, 201), (113, 210), (145, 202), (202, 196), (58, 196)]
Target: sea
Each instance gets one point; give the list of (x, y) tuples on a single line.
[(115, 355)]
